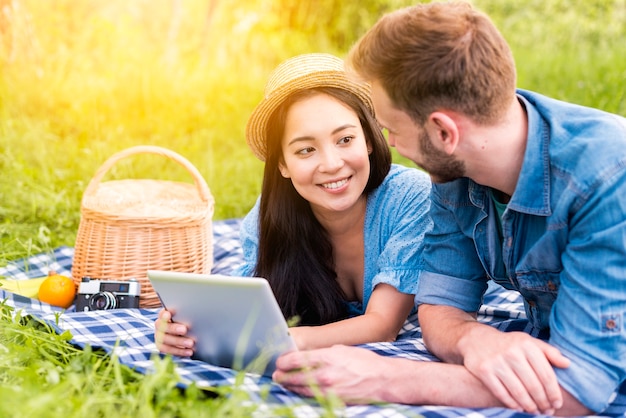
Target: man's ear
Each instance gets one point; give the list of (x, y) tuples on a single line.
[(444, 131)]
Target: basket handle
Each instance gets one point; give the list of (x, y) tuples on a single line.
[(203, 188)]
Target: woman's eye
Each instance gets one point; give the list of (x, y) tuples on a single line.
[(305, 151), (345, 140)]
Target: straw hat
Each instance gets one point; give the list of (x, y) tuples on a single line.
[(299, 73)]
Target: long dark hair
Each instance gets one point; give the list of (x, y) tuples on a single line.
[(295, 253)]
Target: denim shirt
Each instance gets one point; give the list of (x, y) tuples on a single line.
[(396, 220), (563, 242)]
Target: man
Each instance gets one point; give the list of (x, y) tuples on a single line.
[(529, 192)]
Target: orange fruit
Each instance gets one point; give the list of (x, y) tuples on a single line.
[(57, 290)]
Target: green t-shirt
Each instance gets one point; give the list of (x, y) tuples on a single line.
[(500, 208)]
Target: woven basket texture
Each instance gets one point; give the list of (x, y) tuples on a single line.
[(130, 226)]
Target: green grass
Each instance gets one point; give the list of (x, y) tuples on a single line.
[(42, 375), (80, 81)]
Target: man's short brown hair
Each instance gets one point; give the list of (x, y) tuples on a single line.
[(439, 56)]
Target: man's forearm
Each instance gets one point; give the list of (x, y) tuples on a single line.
[(434, 383), (442, 329), (456, 337)]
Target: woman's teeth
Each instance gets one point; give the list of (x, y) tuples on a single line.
[(335, 184)]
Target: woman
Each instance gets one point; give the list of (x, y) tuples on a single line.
[(338, 229)]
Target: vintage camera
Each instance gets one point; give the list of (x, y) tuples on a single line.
[(98, 295)]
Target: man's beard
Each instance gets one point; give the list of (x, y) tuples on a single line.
[(441, 167)]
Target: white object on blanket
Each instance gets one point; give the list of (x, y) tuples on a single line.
[(235, 321)]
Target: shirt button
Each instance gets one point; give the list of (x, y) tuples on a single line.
[(509, 241), (610, 324), (551, 286)]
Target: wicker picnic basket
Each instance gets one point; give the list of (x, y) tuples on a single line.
[(130, 226)]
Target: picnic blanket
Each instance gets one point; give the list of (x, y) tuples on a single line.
[(129, 334)]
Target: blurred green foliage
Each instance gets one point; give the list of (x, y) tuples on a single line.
[(80, 81)]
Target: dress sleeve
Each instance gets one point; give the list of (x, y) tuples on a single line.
[(249, 239), (398, 215)]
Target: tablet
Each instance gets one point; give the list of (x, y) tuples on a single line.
[(235, 321)]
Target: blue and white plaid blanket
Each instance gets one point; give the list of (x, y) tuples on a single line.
[(129, 334)]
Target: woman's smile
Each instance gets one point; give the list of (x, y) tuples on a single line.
[(336, 184)]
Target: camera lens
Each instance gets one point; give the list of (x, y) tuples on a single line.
[(102, 301)]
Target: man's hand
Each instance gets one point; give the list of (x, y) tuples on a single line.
[(517, 368), (170, 337), (357, 375), (353, 374)]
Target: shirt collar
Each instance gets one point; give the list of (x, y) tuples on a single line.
[(532, 192)]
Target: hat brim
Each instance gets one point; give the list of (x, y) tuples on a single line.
[(256, 128)]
